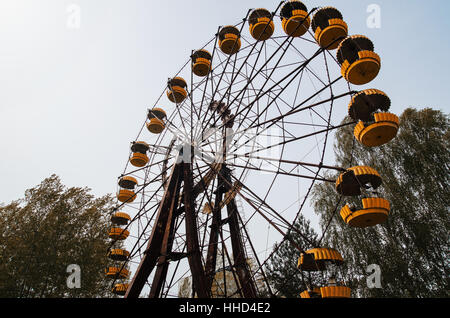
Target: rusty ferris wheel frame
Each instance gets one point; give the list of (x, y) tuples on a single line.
[(195, 158)]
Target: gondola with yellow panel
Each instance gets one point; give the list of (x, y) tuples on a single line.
[(114, 272), (359, 63), (139, 156), (353, 180), (316, 259), (118, 254), (261, 24), (294, 18), (229, 40), (327, 292), (335, 292), (120, 218), (177, 90), (374, 211), (329, 28), (156, 118), (321, 260), (379, 131), (374, 128), (119, 234), (201, 62), (126, 192), (120, 289)]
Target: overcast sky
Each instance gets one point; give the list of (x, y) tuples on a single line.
[(72, 97)]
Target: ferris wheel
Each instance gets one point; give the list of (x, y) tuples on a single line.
[(233, 147)]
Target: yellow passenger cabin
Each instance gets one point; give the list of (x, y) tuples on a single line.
[(229, 40), (374, 211), (177, 90), (120, 289), (120, 218), (139, 156), (117, 272), (335, 292), (359, 63), (261, 24), (201, 63), (317, 258), (119, 255), (380, 131), (329, 28), (156, 118), (126, 192), (294, 18), (354, 179), (117, 233), (374, 128), (327, 292)]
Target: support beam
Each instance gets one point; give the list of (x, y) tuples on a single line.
[(166, 215), (240, 262), (211, 258), (193, 249), (166, 248), (152, 253)]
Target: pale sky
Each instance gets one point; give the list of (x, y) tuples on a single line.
[(72, 99)]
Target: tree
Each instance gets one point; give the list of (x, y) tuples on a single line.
[(45, 232), (282, 271), (412, 247)]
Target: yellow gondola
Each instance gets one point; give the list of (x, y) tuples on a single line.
[(381, 131), (126, 193), (229, 40), (117, 273), (156, 126), (116, 233), (120, 289), (177, 90), (359, 63), (350, 182), (119, 255), (201, 63), (261, 24), (120, 218), (329, 28), (335, 292), (126, 196), (127, 182), (316, 259), (294, 18), (375, 211), (139, 157)]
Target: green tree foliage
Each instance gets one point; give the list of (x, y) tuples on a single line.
[(412, 247), (49, 229)]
